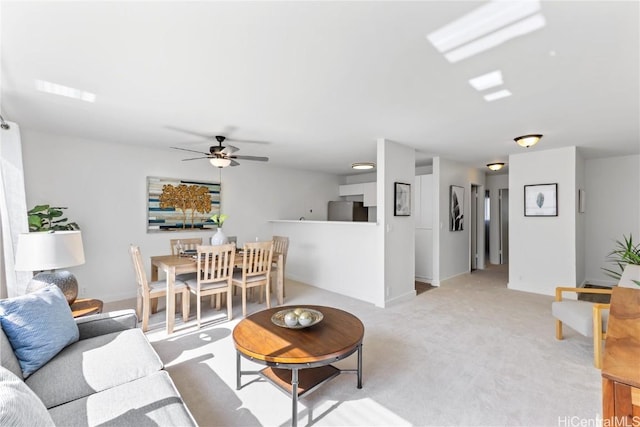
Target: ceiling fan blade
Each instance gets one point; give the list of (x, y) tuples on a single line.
[(186, 149), (234, 163), (229, 149), (256, 158), (248, 141), (190, 132), (197, 158)]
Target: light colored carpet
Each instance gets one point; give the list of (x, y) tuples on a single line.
[(470, 352)]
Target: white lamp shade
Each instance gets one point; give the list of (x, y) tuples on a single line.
[(220, 162), (49, 250)]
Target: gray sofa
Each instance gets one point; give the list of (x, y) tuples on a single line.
[(110, 376)]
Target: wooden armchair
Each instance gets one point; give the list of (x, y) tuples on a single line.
[(587, 318)]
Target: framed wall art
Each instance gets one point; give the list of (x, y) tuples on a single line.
[(541, 200), (456, 208), (175, 204), (402, 199)]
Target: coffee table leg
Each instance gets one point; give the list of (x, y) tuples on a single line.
[(238, 370), (360, 366), (294, 397)]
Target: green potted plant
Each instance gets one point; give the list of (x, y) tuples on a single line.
[(48, 218), (625, 253)]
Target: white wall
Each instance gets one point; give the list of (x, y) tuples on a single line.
[(452, 248), (396, 235), (104, 186), (336, 256), (494, 184), (542, 251), (612, 209)]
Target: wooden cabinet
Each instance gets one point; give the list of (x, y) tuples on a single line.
[(620, 367)]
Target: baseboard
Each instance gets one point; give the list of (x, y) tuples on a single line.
[(400, 298)]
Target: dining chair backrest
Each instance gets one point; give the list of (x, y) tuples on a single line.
[(141, 276), (215, 263), (281, 245), (187, 244), (257, 258)]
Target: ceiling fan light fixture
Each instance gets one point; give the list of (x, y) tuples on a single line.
[(363, 165), (495, 166), (220, 162), (527, 141)]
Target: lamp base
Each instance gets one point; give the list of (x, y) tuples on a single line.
[(63, 279)]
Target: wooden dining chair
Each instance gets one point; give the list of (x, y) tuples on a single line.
[(187, 244), (280, 246), (215, 269), (256, 270), (150, 292)]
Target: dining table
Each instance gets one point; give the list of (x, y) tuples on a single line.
[(173, 265)]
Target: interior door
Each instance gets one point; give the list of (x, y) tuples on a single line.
[(503, 200), (474, 227)]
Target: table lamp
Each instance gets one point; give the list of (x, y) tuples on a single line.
[(51, 250)]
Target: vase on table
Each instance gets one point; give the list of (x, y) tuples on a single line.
[(219, 238)]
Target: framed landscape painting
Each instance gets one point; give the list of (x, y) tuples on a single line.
[(175, 204), (541, 200)]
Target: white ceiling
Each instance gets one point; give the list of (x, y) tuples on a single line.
[(318, 82)]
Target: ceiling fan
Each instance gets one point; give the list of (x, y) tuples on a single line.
[(221, 156)]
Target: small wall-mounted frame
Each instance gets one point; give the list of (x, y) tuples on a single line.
[(402, 197), (581, 201), (456, 208), (541, 200)]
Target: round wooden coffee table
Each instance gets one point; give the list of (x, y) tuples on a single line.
[(298, 360)]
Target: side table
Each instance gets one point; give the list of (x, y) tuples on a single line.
[(85, 306)]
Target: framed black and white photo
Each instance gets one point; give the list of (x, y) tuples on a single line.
[(456, 208), (402, 197), (541, 200)]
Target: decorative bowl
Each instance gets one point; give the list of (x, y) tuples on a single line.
[(314, 317)]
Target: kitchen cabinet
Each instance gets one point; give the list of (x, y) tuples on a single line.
[(367, 190), (370, 195), (351, 190)]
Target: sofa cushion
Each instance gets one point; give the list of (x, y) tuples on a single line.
[(19, 405), (38, 326), (578, 315), (152, 400), (93, 365), (8, 358)]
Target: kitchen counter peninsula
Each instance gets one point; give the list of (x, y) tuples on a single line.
[(338, 256)]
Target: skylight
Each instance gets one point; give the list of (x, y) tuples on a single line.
[(69, 92), (493, 96), (486, 27), (487, 81)]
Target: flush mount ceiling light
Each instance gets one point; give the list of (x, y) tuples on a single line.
[(495, 166), (487, 81), (363, 165), (220, 162), (527, 141)]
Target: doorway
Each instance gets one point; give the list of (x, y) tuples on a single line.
[(475, 202), (503, 209)]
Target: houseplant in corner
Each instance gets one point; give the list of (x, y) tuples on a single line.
[(48, 218), (626, 258), (219, 238)]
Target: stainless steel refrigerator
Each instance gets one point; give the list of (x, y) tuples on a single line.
[(347, 211)]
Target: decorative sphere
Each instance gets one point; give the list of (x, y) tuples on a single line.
[(298, 311), (305, 318), (291, 319)]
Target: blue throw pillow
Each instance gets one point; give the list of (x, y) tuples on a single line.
[(38, 325)]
